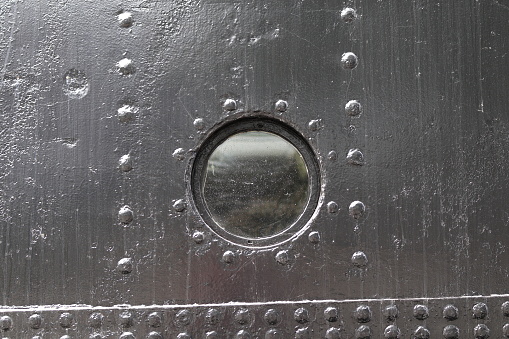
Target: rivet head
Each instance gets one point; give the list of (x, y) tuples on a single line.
[(183, 318), (421, 333), (505, 330), (391, 312), (314, 237), (281, 106), (126, 113), (66, 337), (179, 154), (363, 332), (228, 257), (301, 315), (126, 319), (392, 332), (332, 207), (314, 125), (199, 124), (65, 320), (331, 314), (230, 105), (359, 259), (212, 316), (243, 334), (450, 312), (282, 257), (5, 323), (127, 335), (348, 14), (242, 316), (356, 209), (154, 319), (183, 335), (481, 331), (94, 336), (95, 320), (125, 19), (211, 335), (349, 60), (505, 308), (180, 205), (355, 157), (125, 215), (332, 156), (353, 108), (421, 312), (125, 67), (480, 311), (302, 333), (125, 265), (271, 316), (363, 314), (35, 321), (198, 237), (451, 332), (125, 163), (273, 333), (333, 333), (154, 335)]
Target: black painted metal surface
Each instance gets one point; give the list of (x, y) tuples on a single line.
[(103, 107)]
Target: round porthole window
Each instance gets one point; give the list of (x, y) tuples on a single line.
[(255, 182)]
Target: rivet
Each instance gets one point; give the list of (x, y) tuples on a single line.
[(359, 259), (421, 312), (125, 163), (450, 312), (199, 124), (198, 237), (126, 319), (356, 209), (66, 320), (154, 335), (281, 106), (211, 335), (273, 333), (314, 237), (451, 332), (301, 315), (125, 67), (228, 257), (95, 320), (349, 60), (331, 314), (421, 333), (242, 316), (66, 337), (183, 335), (505, 308), (179, 154), (38, 337), (94, 336), (75, 84), (243, 334), (314, 125), (127, 335), (125, 265), (212, 316), (332, 207), (183, 318), (35, 321), (363, 332), (505, 330), (125, 215), (363, 314), (392, 332), (126, 113), (348, 14), (481, 331), (271, 316), (391, 312), (154, 319), (282, 257), (5, 323), (180, 205), (353, 108), (332, 156), (230, 105), (125, 19), (480, 311), (302, 333), (355, 157), (333, 333)]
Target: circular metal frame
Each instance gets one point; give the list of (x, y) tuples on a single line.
[(265, 124)]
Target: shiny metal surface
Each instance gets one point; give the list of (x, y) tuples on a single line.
[(104, 107)]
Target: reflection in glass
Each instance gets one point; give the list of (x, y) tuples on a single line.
[(256, 184)]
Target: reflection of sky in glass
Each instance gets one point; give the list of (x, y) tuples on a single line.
[(256, 184)]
